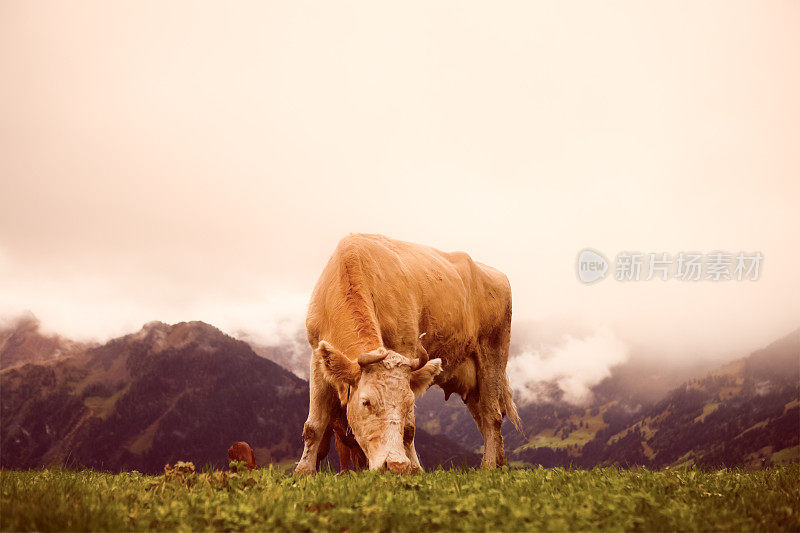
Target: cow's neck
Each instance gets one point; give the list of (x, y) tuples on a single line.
[(360, 329), (353, 343)]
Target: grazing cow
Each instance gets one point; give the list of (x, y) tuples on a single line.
[(379, 309), (241, 451)]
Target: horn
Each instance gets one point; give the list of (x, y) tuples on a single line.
[(368, 358), (422, 360)]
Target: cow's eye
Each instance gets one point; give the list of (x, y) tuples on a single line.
[(365, 403)]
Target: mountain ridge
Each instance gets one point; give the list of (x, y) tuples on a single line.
[(187, 390)]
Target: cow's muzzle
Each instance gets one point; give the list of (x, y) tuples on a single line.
[(398, 467)]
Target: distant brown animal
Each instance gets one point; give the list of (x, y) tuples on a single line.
[(378, 310), (241, 451)]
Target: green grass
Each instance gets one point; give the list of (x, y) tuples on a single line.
[(101, 406), (509, 500), (786, 455), (579, 437)]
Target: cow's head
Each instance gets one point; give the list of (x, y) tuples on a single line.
[(380, 407)]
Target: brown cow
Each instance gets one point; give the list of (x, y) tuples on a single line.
[(379, 308), (241, 451)]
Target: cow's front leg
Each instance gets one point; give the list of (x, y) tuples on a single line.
[(321, 398), (313, 433), (411, 452)]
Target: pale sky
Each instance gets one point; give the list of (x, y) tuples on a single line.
[(194, 160)]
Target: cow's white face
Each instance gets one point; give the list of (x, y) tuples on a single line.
[(381, 412), (380, 409)]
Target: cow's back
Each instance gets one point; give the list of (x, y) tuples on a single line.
[(410, 289)]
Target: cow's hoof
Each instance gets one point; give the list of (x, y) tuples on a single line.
[(305, 470)]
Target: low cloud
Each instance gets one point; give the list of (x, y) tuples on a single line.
[(574, 365), (273, 319)]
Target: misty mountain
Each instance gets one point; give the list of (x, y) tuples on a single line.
[(294, 357), (21, 341), (644, 379), (166, 393), (745, 413)]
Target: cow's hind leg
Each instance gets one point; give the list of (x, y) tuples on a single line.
[(322, 399), (474, 410), (487, 412), (495, 401), (493, 398)]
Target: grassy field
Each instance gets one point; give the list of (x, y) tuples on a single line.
[(518, 500)]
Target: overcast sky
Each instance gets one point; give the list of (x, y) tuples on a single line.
[(189, 160)]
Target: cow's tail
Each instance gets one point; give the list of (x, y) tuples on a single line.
[(509, 408)]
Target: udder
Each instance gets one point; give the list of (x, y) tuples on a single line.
[(461, 380)]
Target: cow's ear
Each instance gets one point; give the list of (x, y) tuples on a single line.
[(421, 379), (338, 368)]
